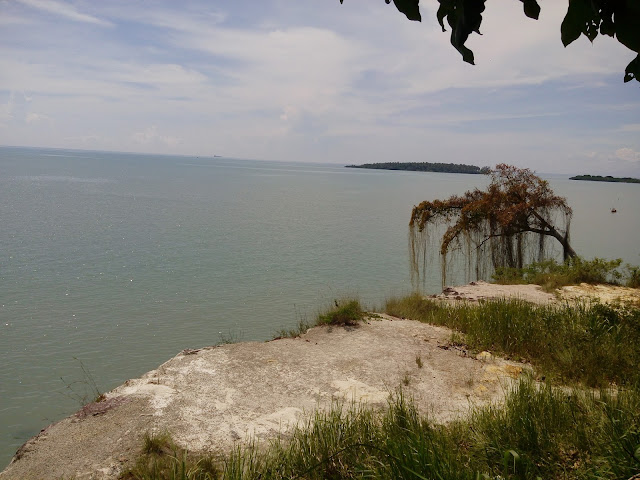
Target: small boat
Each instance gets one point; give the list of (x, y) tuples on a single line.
[(613, 210)]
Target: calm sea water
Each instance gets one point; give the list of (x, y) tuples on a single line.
[(111, 263)]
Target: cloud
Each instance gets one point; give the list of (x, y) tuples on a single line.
[(628, 155), (631, 127), (150, 136), (154, 74), (13, 20), (15, 109), (64, 10), (35, 117), (86, 140), (279, 78)]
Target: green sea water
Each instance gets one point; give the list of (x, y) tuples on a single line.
[(112, 263)]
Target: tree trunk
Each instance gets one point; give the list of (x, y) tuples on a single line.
[(567, 250)]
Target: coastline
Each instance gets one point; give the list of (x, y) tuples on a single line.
[(212, 398)]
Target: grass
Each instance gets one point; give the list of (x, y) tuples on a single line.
[(555, 434), (552, 275), (300, 329), (83, 391), (230, 337), (539, 431), (634, 276), (162, 459), (346, 312), (595, 345), (157, 443)]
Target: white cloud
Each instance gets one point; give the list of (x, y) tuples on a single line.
[(150, 136), (64, 10), (188, 17), (36, 117), (86, 140), (628, 155), (631, 127), (16, 107), (153, 74), (280, 80), (13, 20)]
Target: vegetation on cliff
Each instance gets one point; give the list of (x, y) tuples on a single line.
[(540, 431)]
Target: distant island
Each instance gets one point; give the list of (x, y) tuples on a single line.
[(425, 167), (608, 178)]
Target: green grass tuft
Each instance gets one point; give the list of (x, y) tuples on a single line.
[(300, 329), (344, 312), (157, 443), (162, 459)]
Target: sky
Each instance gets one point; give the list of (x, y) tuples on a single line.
[(314, 81)]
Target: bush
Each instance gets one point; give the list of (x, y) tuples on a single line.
[(344, 312), (552, 275), (633, 280)]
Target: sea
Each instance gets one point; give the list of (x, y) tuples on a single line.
[(112, 263)]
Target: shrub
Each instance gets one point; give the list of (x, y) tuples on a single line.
[(633, 280), (344, 312), (552, 275)]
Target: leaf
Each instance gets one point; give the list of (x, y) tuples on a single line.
[(531, 9), (627, 24), (410, 8), (574, 21), (607, 27), (446, 8), (467, 54), (591, 30), (507, 455), (464, 17), (633, 72), (472, 14)]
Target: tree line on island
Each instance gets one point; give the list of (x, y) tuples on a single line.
[(426, 167), (608, 178)]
